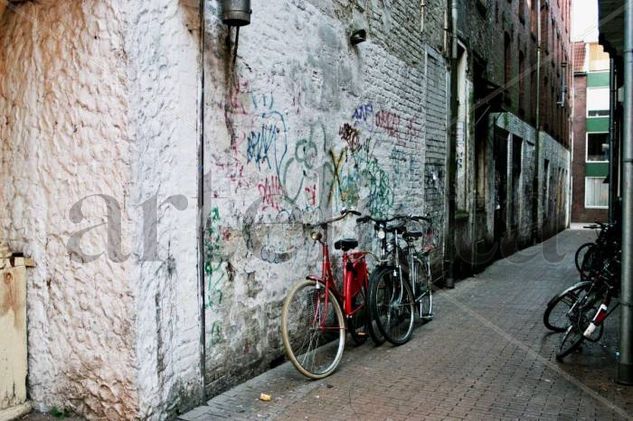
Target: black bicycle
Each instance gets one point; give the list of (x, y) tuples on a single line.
[(401, 284), (590, 308)]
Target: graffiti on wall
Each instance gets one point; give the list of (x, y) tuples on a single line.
[(216, 269)]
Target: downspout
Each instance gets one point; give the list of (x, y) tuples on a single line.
[(625, 365), (613, 163), (536, 229), (452, 154), (201, 216)]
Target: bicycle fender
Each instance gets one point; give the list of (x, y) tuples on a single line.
[(576, 285)]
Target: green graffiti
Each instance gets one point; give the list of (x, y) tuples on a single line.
[(214, 271)]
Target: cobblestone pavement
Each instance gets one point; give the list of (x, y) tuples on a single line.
[(486, 355)]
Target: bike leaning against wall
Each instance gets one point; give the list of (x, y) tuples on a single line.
[(316, 314)]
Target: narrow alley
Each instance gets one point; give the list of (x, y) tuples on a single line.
[(486, 355)]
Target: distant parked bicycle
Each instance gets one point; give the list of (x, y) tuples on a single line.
[(589, 255), (591, 260), (313, 325)]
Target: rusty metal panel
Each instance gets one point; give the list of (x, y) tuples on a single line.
[(13, 354)]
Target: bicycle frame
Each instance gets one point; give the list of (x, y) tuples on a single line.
[(355, 276)]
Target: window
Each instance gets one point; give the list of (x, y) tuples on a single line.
[(597, 147), (597, 102), (596, 193)]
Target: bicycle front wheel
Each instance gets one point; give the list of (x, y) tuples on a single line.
[(580, 315), (570, 342), (313, 330), (392, 305)]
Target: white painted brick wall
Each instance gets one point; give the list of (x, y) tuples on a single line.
[(290, 96)]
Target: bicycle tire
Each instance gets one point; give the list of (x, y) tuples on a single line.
[(301, 318), (422, 290), (374, 331), (358, 324), (392, 305), (580, 254), (591, 262), (555, 315), (580, 319), (570, 342)]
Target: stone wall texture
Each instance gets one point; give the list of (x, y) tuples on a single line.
[(65, 140), (100, 144)]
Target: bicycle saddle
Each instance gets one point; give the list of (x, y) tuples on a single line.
[(413, 234), (345, 244)]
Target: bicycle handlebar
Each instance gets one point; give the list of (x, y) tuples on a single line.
[(416, 218), (344, 213)]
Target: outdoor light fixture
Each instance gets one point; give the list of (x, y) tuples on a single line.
[(358, 36), (236, 12)]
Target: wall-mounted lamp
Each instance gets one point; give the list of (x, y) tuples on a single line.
[(236, 12), (358, 36)]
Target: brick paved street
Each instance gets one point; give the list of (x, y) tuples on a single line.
[(486, 355)]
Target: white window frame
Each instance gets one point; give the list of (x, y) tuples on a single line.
[(587, 101), (587, 148), (585, 193)]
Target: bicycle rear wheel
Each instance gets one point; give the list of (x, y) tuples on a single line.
[(392, 305), (591, 262), (580, 255), (358, 324), (420, 281), (556, 317), (312, 331)]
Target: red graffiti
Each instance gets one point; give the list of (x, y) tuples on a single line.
[(232, 165), (270, 191), (236, 97), (311, 193), (388, 121), (411, 132)]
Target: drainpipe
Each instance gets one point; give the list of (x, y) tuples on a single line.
[(625, 365), (452, 154), (201, 216), (536, 229), (613, 162)]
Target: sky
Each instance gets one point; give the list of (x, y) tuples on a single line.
[(584, 20)]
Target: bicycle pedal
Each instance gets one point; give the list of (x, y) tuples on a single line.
[(427, 317)]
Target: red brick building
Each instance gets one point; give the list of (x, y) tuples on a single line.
[(590, 192)]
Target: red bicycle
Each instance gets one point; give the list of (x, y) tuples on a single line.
[(312, 321)]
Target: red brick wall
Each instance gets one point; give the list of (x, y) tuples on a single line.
[(578, 211)]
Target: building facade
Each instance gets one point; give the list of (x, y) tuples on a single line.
[(513, 132), (158, 169), (164, 215), (590, 166)]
